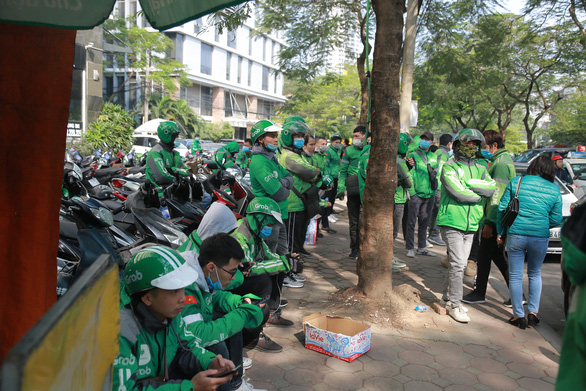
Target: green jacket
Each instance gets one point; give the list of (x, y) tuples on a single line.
[(464, 183), (269, 179), (348, 166), (144, 340), (200, 305), (319, 160), (404, 182), (420, 174), (226, 155), (573, 355), (332, 157), (257, 251), (243, 159), (162, 164), (442, 154), (502, 171), (195, 147), (304, 174)]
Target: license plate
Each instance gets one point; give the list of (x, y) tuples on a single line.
[(94, 182), (554, 234)]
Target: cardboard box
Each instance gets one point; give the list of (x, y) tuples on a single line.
[(338, 337)]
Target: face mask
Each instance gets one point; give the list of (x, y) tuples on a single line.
[(424, 144), (216, 286), (197, 139), (323, 148), (265, 232), (271, 147), (486, 153), (468, 151), (450, 153), (336, 146), (245, 149), (357, 142), (298, 143)]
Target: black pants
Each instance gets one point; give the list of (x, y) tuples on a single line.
[(475, 246), (353, 204), (296, 228), (262, 286), (489, 251), (419, 212), (230, 348)]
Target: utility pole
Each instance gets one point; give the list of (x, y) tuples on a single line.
[(408, 62), (145, 117)]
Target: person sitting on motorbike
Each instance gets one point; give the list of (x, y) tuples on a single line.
[(196, 148), (163, 163), (243, 157), (156, 349), (225, 156)]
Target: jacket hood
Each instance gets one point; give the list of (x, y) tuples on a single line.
[(260, 150), (148, 320), (218, 218), (166, 147)]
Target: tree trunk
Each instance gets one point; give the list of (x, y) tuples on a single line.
[(408, 61), (376, 232)]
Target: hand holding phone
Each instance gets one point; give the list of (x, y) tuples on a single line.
[(232, 372)]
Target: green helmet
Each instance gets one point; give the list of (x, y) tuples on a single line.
[(291, 126), (262, 211), (158, 267), (166, 130), (404, 141), (467, 135), (263, 127), (336, 136)]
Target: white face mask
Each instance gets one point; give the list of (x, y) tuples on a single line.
[(357, 142)]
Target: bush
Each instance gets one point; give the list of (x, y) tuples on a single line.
[(112, 131), (217, 131)]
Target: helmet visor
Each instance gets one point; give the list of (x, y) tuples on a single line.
[(179, 278)]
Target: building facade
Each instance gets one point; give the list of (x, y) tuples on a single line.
[(234, 75)]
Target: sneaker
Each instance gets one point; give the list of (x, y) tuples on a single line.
[(246, 362), (283, 303), (246, 386), (353, 254), (448, 305), (508, 304), (445, 262), (265, 344), (297, 277), (397, 264), (304, 252), (276, 320), (436, 240), (330, 230), (291, 283), (422, 251), (428, 244), (459, 314), (411, 253), (470, 268), (473, 298), (319, 235), (395, 269)]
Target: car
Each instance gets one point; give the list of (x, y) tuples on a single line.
[(575, 165), (568, 198), (530, 154)]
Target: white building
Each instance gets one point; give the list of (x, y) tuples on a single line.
[(347, 53), (233, 74)]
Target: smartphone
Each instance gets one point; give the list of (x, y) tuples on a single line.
[(232, 372), (259, 302), (246, 266)]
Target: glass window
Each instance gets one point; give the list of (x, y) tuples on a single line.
[(273, 52), (179, 48), (239, 69), (206, 100), (275, 87), (227, 104), (217, 34), (228, 64), (120, 94), (231, 41), (206, 59), (182, 92), (265, 78), (197, 24), (249, 73), (249, 43), (122, 9), (268, 109), (264, 48)]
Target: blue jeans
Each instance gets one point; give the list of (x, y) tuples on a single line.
[(535, 248)]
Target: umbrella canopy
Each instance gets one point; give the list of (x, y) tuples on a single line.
[(86, 14), (150, 126)]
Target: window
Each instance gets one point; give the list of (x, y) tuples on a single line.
[(239, 70), (273, 52), (182, 92), (249, 73), (228, 63), (227, 104), (120, 94), (217, 34), (264, 109), (249, 43), (206, 100), (197, 24), (265, 78), (206, 59), (231, 41), (276, 78), (179, 48), (122, 9), (264, 48)]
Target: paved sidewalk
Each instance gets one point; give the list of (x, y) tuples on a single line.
[(432, 352)]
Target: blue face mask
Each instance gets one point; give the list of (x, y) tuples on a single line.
[(265, 232), (298, 143), (486, 153), (271, 147), (245, 149), (450, 153), (424, 144), (215, 286), (197, 139)]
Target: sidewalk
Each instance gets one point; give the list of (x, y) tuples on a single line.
[(432, 351)]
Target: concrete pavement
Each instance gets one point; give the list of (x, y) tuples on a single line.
[(431, 352)]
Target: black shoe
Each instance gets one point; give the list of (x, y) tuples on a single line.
[(520, 322), (330, 230), (265, 344), (283, 303), (304, 252), (353, 254), (320, 235), (276, 320), (532, 319), (508, 304), (473, 298)]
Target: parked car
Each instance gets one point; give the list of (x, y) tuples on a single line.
[(575, 165), (568, 198), (145, 137), (530, 154)]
